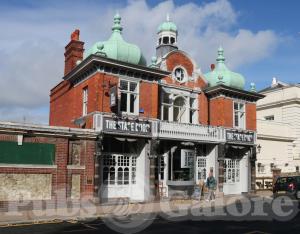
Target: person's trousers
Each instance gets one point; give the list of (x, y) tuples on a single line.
[(211, 194)]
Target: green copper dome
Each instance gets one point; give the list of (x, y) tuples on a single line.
[(167, 26), (116, 48), (222, 75)]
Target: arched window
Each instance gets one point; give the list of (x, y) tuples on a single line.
[(112, 175), (179, 109), (126, 175), (172, 40), (120, 175), (165, 40)]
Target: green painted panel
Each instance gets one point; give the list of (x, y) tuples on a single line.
[(27, 153)]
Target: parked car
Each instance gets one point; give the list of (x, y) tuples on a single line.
[(287, 185)]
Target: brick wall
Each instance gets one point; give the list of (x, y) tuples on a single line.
[(221, 112), (251, 116), (66, 101), (61, 175)]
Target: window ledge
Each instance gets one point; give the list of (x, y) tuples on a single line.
[(75, 167), (180, 182), (28, 166)]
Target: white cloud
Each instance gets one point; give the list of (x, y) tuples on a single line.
[(33, 40)]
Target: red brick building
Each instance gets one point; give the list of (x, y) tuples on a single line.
[(161, 128)]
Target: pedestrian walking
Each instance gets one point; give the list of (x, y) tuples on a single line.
[(211, 184)]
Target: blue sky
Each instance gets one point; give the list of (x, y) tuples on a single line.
[(261, 40)]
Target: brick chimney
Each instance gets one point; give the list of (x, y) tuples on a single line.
[(73, 51)]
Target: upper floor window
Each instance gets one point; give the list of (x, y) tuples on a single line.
[(84, 101), (239, 115), (270, 117), (179, 74), (179, 108), (129, 97)]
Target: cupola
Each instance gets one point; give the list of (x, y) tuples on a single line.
[(116, 48), (220, 74), (167, 38)]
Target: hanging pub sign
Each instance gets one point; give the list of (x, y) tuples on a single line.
[(113, 96), (239, 137), (126, 126)]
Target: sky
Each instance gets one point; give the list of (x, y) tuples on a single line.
[(261, 40)]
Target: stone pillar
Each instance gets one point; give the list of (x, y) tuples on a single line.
[(97, 174), (152, 154)]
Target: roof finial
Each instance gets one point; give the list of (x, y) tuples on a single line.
[(117, 23), (168, 17), (252, 87), (220, 58)]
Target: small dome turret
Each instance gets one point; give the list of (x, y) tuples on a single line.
[(222, 75), (167, 26), (167, 38), (116, 48)]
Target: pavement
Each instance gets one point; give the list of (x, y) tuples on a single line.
[(85, 210), (176, 217)]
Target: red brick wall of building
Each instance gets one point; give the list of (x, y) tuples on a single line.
[(178, 58), (251, 116), (203, 109), (221, 112), (66, 101)]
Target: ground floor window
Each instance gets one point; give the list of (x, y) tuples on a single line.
[(119, 169), (201, 168), (182, 165), (231, 170)]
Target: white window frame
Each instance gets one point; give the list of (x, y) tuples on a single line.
[(182, 110), (187, 106), (232, 172), (128, 93), (269, 118), (193, 110), (201, 167), (85, 101), (185, 74), (187, 158), (116, 161), (241, 124), (261, 169)]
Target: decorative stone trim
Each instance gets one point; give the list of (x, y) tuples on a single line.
[(75, 167)]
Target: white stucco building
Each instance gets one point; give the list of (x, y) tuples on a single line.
[(278, 128)]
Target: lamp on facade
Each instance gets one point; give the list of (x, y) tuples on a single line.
[(258, 148)]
